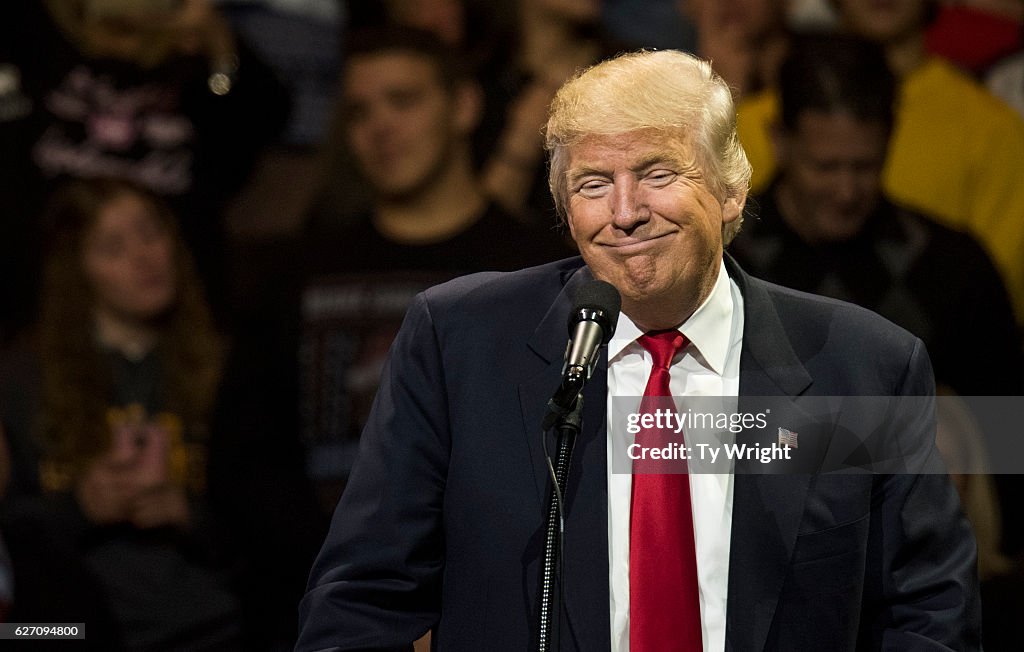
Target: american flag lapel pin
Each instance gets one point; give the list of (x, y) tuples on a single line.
[(787, 438)]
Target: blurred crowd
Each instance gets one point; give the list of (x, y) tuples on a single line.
[(214, 213)]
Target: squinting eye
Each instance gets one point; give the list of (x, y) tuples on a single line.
[(661, 176), (593, 188)]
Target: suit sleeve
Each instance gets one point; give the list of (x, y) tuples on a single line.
[(376, 582), (925, 594)]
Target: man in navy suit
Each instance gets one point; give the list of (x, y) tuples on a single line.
[(442, 525)]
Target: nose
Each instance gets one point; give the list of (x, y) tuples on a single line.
[(386, 118), (145, 253), (627, 206), (380, 123), (373, 123), (139, 247)]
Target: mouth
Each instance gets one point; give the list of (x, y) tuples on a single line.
[(634, 245), (154, 281), (385, 158)]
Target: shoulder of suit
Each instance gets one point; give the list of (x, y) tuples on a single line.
[(502, 291), (811, 317)]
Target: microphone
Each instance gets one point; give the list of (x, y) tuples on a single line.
[(592, 321)]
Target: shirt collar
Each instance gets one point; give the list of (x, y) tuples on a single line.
[(708, 328)]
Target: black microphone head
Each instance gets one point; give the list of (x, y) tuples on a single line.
[(597, 301)]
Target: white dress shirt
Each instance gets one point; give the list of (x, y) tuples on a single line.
[(708, 366)]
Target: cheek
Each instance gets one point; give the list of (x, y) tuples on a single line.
[(440, 130), (691, 210), (426, 117), (868, 184), (164, 256), (106, 280), (573, 212), (360, 140), (585, 219), (820, 190), (357, 138)]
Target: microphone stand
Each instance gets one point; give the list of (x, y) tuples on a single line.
[(567, 428)]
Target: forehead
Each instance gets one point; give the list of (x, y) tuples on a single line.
[(367, 73), (823, 133), (121, 212), (630, 149)]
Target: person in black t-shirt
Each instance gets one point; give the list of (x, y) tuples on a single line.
[(156, 491), (108, 420), (409, 114)]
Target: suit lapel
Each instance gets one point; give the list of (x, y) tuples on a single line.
[(548, 343), (586, 499), (767, 508)]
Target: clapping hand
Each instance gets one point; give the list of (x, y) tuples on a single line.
[(130, 483)]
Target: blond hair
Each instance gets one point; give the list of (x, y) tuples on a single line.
[(666, 91)]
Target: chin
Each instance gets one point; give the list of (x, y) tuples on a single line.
[(838, 232), (400, 189), (154, 308)]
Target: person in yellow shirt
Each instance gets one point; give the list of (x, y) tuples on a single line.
[(956, 153)]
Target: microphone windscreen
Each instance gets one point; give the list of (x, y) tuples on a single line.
[(599, 302), (598, 295)]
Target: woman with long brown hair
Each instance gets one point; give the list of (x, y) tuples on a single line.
[(127, 363), (125, 334)]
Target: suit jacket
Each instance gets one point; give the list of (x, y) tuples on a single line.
[(442, 523)]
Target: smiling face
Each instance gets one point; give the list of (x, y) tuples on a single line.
[(645, 220), (831, 174), (403, 124)]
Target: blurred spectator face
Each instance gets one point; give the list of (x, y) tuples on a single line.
[(883, 20), (831, 167), (128, 258), (404, 126)]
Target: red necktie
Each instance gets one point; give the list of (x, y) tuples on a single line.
[(664, 606)]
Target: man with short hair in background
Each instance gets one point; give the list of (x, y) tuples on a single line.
[(825, 225), (408, 112)]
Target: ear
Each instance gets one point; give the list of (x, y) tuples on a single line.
[(732, 208), (468, 105)]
